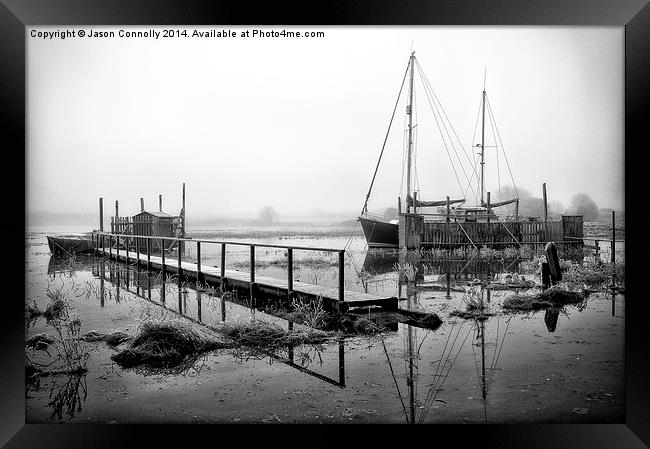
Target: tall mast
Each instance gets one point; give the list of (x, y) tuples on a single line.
[(409, 111), (483, 149)]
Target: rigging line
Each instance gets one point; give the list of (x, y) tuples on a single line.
[(503, 339), (497, 153), (502, 148), (438, 373), (438, 107), (444, 142), (447, 375), (474, 155), (399, 393), (401, 184), (425, 79), (365, 205)]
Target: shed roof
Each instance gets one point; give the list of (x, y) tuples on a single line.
[(155, 214)]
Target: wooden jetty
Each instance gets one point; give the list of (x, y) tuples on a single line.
[(127, 248)]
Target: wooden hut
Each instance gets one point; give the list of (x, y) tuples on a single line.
[(157, 224)]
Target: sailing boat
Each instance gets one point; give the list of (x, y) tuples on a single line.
[(383, 233)]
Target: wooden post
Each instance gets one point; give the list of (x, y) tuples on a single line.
[(117, 214), (160, 202), (613, 257), (399, 204), (126, 243), (198, 261), (545, 203), (517, 210), (252, 281), (448, 209), (101, 215), (341, 275), (180, 270), (223, 261), (110, 247), (162, 256), (415, 202), (117, 248), (148, 253), (141, 204), (488, 207), (289, 272), (137, 252)]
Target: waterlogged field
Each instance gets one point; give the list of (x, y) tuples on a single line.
[(563, 364)]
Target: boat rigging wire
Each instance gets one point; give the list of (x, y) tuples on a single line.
[(498, 135), (365, 205)]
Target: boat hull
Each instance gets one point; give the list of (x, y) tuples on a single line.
[(380, 234), (69, 245)]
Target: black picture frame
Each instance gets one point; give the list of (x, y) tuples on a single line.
[(15, 15)]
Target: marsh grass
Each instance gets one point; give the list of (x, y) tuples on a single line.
[(553, 297), (166, 345), (264, 335)]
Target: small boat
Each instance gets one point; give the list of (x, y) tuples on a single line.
[(381, 232), (70, 244)]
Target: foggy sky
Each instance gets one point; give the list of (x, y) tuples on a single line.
[(299, 123)]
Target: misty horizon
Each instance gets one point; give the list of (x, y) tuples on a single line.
[(298, 124)]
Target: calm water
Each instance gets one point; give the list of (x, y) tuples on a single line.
[(563, 366)]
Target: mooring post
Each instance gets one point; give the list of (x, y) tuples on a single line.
[(117, 214), (198, 261), (117, 248), (126, 243), (399, 204), (223, 261), (252, 286), (162, 256), (488, 207), (517, 210), (341, 275), (160, 203), (101, 214), (137, 252), (289, 272), (179, 259), (110, 246), (148, 253), (613, 257), (141, 204), (545, 203), (415, 202), (448, 209)]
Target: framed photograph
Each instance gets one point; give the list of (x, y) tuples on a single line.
[(372, 215)]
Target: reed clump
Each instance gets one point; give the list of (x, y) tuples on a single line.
[(165, 345), (262, 334), (553, 297)]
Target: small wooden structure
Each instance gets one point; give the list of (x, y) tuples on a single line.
[(155, 224)]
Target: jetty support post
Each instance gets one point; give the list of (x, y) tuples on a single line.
[(117, 214), (488, 207), (415, 202), (517, 210), (126, 243), (162, 257), (613, 257), (399, 204), (289, 272), (448, 210), (137, 252), (148, 253), (117, 248), (545, 203), (110, 246), (252, 280), (160, 203), (198, 261), (101, 214), (341, 275), (141, 204), (223, 265), (179, 260)]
